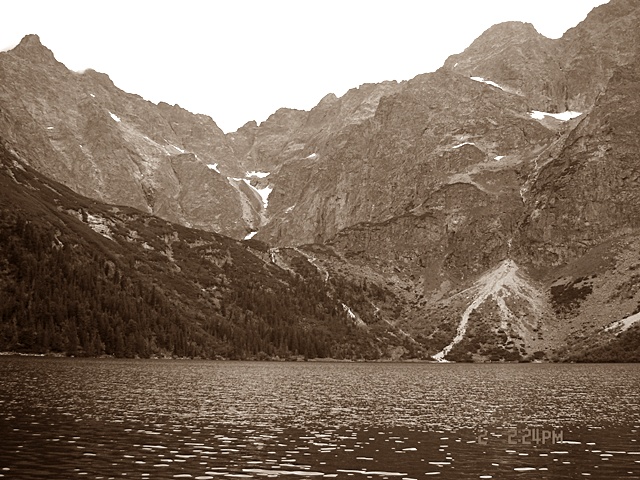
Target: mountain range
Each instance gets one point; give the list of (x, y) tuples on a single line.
[(485, 211)]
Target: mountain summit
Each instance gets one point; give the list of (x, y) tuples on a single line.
[(31, 49)]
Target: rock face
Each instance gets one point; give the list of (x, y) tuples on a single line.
[(80, 129), (555, 75), (439, 129), (487, 210), (522, 61), (590, 191)]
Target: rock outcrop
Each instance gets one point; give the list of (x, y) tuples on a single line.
[(83, 131)]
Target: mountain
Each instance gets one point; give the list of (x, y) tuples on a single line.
[(81, 130), (85, 278), (485, 211), (555, 75)]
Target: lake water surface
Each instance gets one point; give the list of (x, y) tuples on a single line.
[(102, 418)]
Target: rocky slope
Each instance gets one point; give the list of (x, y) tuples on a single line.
[(387, 164), (83, 131), (589, 193), (85, 278), (484, 211), (555, 75)]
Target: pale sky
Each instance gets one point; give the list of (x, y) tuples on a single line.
[(238, 61)]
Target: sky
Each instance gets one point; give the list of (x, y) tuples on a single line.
[(241, 60)]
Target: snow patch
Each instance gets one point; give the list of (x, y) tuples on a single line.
[(488, 82), (313, 156), (115, 117), (498, 158), (462, 145), (92, 95), (523, 192), (563, 117), (263, 192), (290, 209), (49, 128), (249, 236), (213, 166), (258, 174), (624, 324), (177, 148)]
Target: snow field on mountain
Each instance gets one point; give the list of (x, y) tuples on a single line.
[(488, 82), (564, 116), (258, 174), (262, 192)]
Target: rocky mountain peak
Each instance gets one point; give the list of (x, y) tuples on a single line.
[(327, 100), (495, 40), (99, 77), (555, 75), (613, 11), (31, 40), (512, 32), (519, 59), (31, 48)]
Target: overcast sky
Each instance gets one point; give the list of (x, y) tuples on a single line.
[(242, 60)]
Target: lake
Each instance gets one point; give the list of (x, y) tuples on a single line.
[(163, 419)]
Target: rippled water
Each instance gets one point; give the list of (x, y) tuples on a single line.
[(73, 418)]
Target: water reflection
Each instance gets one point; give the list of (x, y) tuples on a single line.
[(62, 418)]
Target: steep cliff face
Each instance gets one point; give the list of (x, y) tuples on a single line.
[(556, 75), (589, 192), (80, 129), (386, 165), (437, 129), (608, 38), (518, 58)]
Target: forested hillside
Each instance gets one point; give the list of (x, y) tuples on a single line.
[(83, 278)]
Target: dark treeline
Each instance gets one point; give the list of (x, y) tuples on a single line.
[(58, 299), (623, 349), (66, 289), (62, 298)]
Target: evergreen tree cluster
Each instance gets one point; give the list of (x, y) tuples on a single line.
[(68, 300), (151, 288), (625, 348)]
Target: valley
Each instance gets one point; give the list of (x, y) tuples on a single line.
[(487, 211)]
